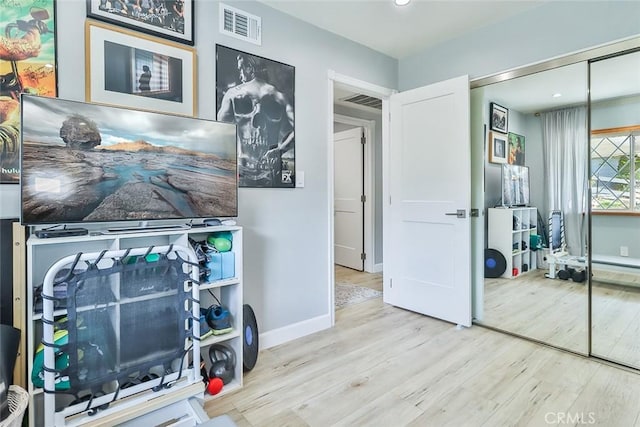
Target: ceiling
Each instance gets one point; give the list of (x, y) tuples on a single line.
[(400, 31)]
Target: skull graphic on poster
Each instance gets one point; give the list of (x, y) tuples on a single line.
[(256, 98)]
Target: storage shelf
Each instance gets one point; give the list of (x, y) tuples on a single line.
[(220, 283), (502, 237), (214, 339), (42, 253), (229, 388)]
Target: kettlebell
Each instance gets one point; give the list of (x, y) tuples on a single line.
[(223, 362)]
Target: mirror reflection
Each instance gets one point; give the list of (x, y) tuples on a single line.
[(615, 206), (536, 206)]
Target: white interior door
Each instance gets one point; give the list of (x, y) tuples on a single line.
[(427, 245), (348, 205)]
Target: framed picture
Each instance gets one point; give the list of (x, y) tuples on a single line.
[(257, 94), (28, 65), (516, 149), (134, 70), (497, 147), (499, 118), (169, 19)]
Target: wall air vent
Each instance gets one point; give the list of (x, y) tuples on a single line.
[(240, 24), (365, 100)]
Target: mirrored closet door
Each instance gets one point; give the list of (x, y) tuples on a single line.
[(615, 208), (535, 133)]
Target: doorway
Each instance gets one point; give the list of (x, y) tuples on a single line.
[(345, 114), (349, 194)]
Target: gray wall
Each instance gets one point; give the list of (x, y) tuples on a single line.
[(286, 231), (377, 153), (552, 29), (286, 264)]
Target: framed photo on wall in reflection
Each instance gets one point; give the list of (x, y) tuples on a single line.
[(498, 147), (499, 118), (516, 149)]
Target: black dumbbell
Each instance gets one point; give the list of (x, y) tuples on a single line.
[(579, 276)]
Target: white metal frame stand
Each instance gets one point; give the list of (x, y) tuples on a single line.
[(138, 400)]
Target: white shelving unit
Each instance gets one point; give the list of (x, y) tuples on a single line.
[(43, 253), (508, 229)]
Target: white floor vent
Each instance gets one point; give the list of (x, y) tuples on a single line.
[(240, 24)]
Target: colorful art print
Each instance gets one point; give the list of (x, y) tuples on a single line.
[(257, 94), (27, 65), (168, 19), (516, 149)]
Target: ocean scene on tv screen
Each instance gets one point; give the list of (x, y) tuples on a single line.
[(87, 162)]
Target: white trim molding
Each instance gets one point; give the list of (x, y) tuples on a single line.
[(296, 330), (367, 89), (369, 127)]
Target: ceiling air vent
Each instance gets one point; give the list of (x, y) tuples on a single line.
[(365, 100), (240, 24)]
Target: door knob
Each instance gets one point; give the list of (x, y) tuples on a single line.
[(460, 213)]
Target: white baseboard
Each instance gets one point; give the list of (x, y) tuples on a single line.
[(605, 261), (616, 270), (377, 268), (291, 332)]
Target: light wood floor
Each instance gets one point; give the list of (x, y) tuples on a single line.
[(550, 310), (384, 366), (556, 311), (360, 278), (615, 333)]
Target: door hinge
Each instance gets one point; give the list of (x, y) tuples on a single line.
[(363, 198), (363, 256), (391, 283), (363, 140)]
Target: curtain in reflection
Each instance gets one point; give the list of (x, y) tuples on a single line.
[(565, 145)]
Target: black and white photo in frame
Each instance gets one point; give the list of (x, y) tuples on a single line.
[(168, 19), (499, 118), (257, 94)]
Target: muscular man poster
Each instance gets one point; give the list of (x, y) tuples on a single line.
[(257, 94)]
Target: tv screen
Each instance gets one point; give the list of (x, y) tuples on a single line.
[(515, 185), (85, 162)]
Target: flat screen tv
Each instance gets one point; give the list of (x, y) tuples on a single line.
[(515, 185), (84, 162)]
